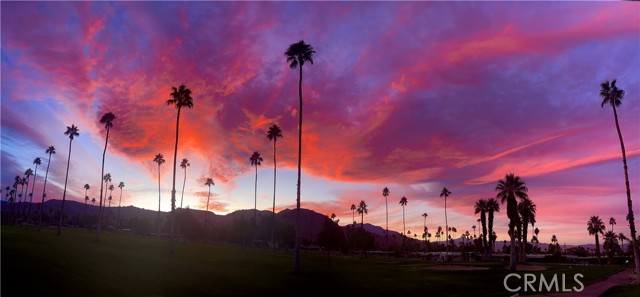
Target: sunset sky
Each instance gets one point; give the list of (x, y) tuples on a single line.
[(412, 96)]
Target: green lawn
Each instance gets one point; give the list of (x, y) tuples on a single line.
[(43, 264)]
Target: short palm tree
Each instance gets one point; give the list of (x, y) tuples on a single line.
[(622, 238), (180, 97), (50, 150), (86, 198), (120, 185), (445, 193), (208, 183), (107, 179), (37, 161), (527, 211), (27, 176), (403, 202), (362, 210), (256, 160), (159, 159), (353, 210), (385, 194), (71, 133), (510, 188), (612, 221), (613, 96), (536, 231), (106, 120), (273, 134), (595, 226), (184, 164), (492, 207), (111, 188), (480, 207), (298, 54)]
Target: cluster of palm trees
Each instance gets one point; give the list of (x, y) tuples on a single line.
[(596, 226)]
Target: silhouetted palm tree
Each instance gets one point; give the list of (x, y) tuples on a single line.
[(50, 150), (536, 232), (71, 132), (385, 194), (481, 208), (256, 161), (510, 188), (37, 161), (111, 188), (613, 96), (297, 54), (595, 226), (353, 210), (492, 207), (403, 202), (27, 175), (86, 198), (184, 164), (159, 159), (120, 185), (425, 215), (527, 211), (612, 221), (93, 201), (106, 120), (273, 134), (622, 238), (180, 97), (445, 193), (107, 179), (362, 210), (208, 183)]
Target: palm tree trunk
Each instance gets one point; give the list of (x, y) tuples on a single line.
[(173, 184), (490, 233), (634, 239), (255, 208), (104, 153), (43, 190), (446, 227), (512, 260), (296, 259), (64, 192), (35, 175), (523, 255), (386, 205), (207, 210), (183, 184), (273, 219), (597, 248), (158, 218), (403, 225), (119, 206)]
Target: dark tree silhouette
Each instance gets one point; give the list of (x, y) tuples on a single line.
[(27, 175), (403, 202), (273, 134), (353, 210), (510, 188), (362, 210), (71, 132), (385, 194), (613, 96), (184, 164), (481, 208), (50, 150), (256, 160), (595, 226), (208, 183), (86, 198), (159, 159), (527, 211), (107, 179), (445, 193), (297, 54), (612, 222), (492, 207), (37, 161), (120, 185), (180, 97), (106, 120)]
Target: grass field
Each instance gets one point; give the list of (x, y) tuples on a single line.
[(39, 263)]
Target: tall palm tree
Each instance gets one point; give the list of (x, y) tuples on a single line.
[(86, 198), (256, 161), (37, 161), (425, 215), (180, 97), (208, 183), (613, 96), (510, 188), (385, 194), (27, 175), (362, 210), (353, 210), (403, 202), (527, 211), (445, 193), (595, 226), (111, 188), (612, 221), (106, 120), (71, 132), (492, 207), (184, 164), (273, 134), (159, 159), (107, 179), (297, 54), (50, 150), (480, 207), (120, 185)]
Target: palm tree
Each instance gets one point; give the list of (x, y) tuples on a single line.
[(425, 215), (86, 198), (445, 193), (107, 179), (595, 226), (106, 120), (256, 161), (159, 159), (362, 210), (208, 183), (613, 96), (273, 134), (385, 194), (297, 54), (50, 150), (184, 164), (536, 232), (492, 207), (612, 221), (527, 211), (120, 185), (71, 132), (510, 188), (622, 238), (481, 208), (180, 97), (27, 175), (37, 161), (353, 210), (93, 201), (403, 202), (111, 188)]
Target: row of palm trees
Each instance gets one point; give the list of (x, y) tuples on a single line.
[(596, 226)]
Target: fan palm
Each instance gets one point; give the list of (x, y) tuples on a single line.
[(595, 226), (106, 120), (184, 164), (273, 134), (107, 179), (403, 202), (353, 210), (27, 176), (208, 183), (527, 211), (385, 194), (492, 207), (37, 161), (86, 198), (71, 133), (612, 221), (362, 210), (297, 54), (480, 207), (159, 159), (445, 193), (256, 160), (510, 188), (50, 150), (120, 185)]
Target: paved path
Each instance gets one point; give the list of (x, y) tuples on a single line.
[(596, 289)]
